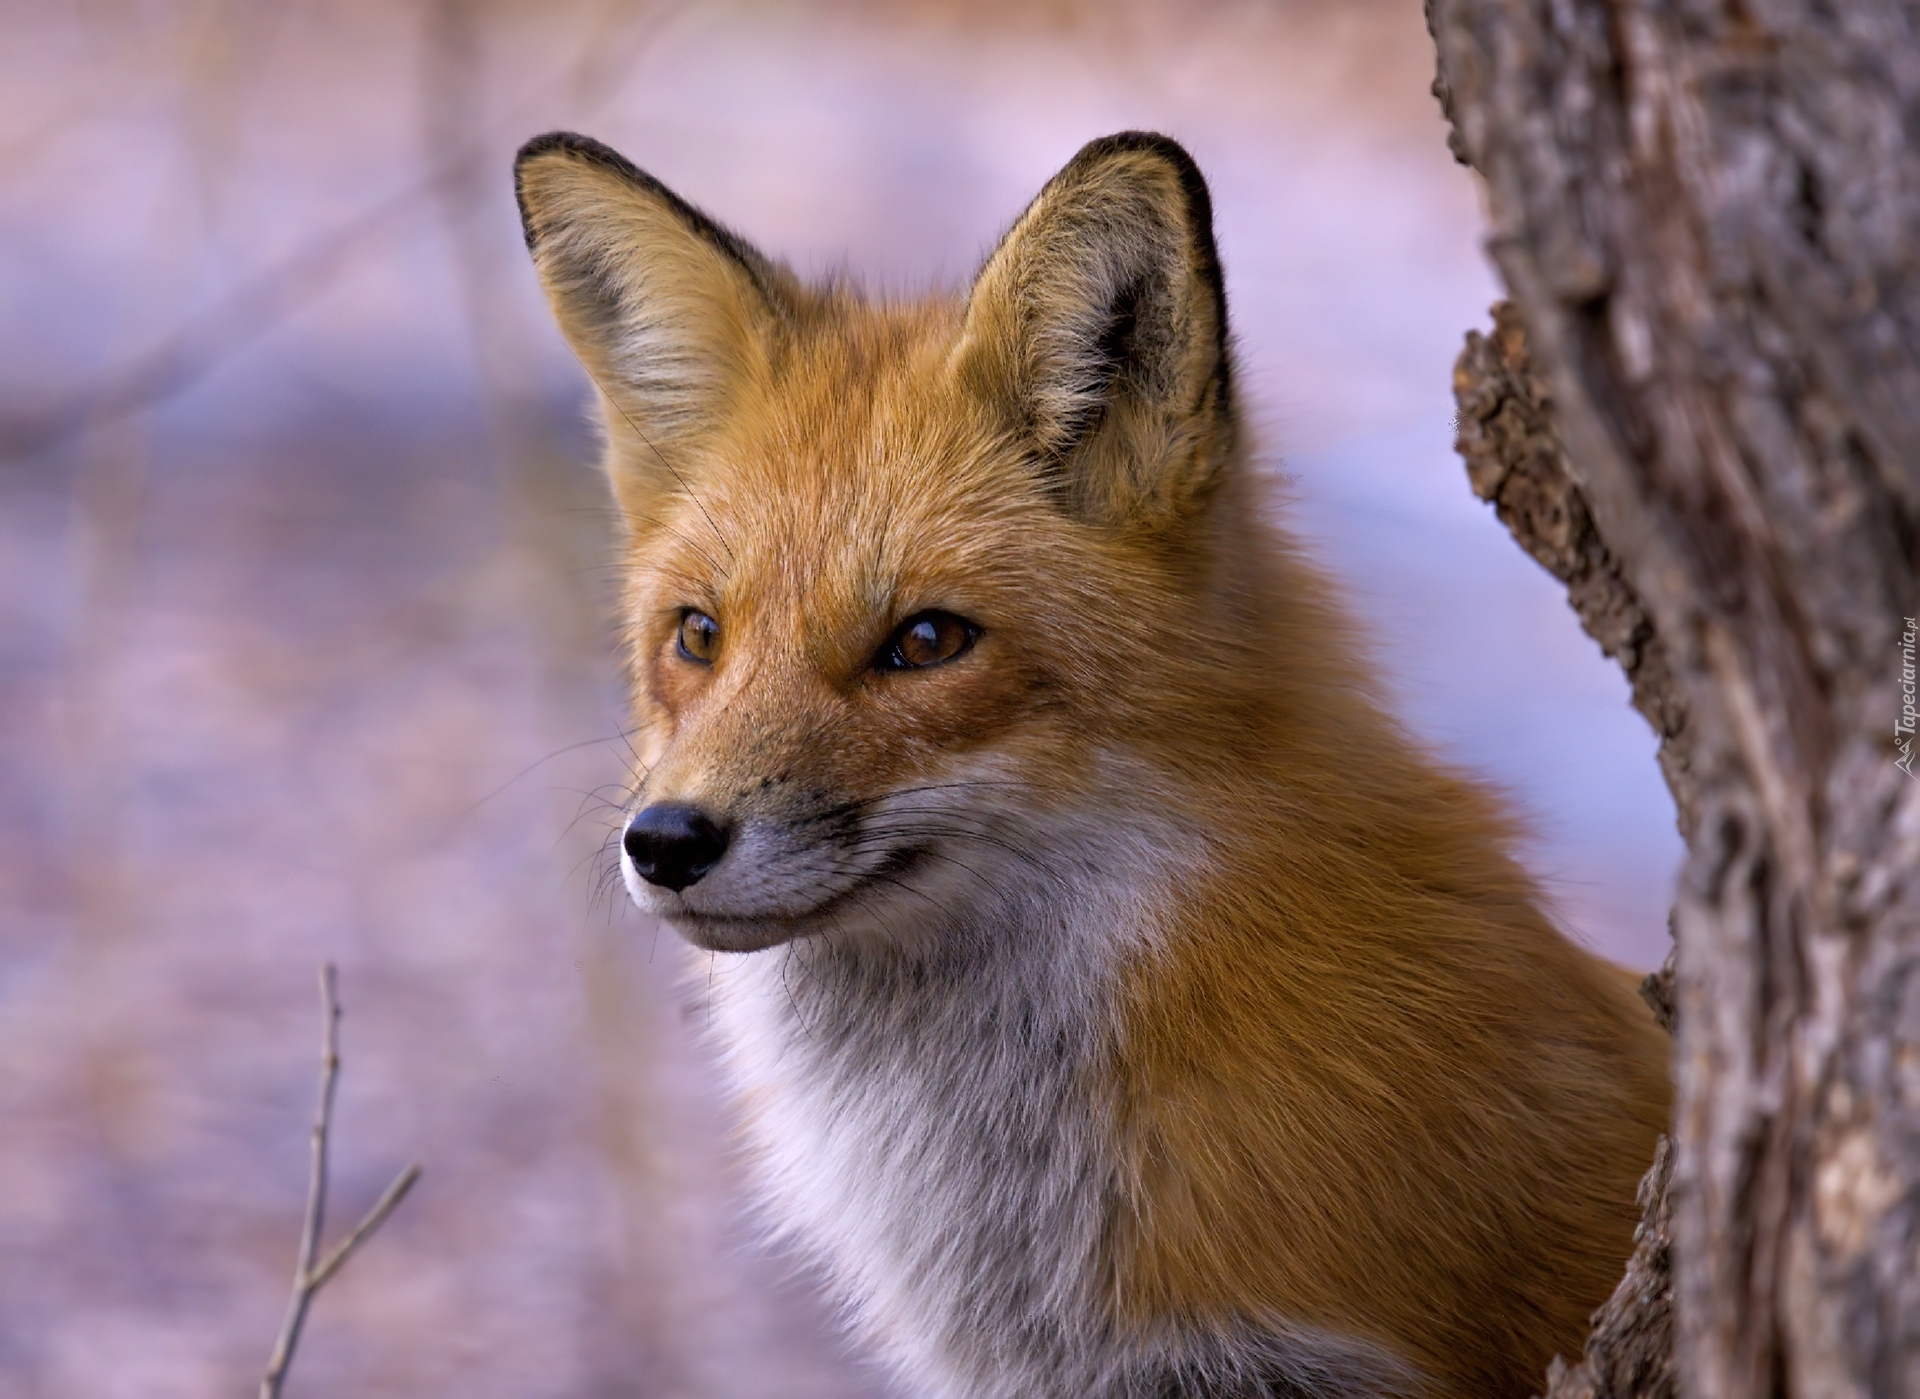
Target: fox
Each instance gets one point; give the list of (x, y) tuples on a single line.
[(1117, 999)]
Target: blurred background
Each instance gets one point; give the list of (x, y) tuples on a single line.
[(304, 647)]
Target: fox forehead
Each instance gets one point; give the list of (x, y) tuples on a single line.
[(855, 479)]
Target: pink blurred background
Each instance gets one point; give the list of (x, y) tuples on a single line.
[(304, 649)]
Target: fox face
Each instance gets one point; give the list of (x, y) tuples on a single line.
[(839, 682), (888, 565)]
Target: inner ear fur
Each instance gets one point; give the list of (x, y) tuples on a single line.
[(1100, 321), (668, 311)]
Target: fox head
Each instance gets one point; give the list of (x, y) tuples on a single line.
[(917, 594)]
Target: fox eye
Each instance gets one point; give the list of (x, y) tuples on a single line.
[(699, 639), (924, 639)]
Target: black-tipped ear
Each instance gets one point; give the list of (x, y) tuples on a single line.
[(1101, 321), (667, 310)]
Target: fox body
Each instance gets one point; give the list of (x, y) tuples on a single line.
[(1119, 1003)]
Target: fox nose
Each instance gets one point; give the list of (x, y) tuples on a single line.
[(673, 845)]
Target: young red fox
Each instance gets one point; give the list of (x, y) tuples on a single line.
[(1120, 1004)]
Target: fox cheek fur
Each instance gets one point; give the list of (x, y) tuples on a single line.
[(1128, 1007)]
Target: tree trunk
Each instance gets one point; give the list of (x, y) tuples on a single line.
[(1707, 213)]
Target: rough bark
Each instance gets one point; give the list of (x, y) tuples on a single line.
[(1515, 462), (1708, 215)]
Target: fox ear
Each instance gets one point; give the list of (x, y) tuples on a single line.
[(668, 311), (1101, 322)]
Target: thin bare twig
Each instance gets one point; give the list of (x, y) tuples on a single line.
[(376, 1216), (307, 1277)]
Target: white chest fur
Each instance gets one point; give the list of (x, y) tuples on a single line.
[(940, 1136)]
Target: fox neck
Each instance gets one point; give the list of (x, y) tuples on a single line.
[(942, 1131)]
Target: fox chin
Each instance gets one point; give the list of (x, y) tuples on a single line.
[(1126, 1005)]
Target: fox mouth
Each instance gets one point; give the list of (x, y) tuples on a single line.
[(720, 931)]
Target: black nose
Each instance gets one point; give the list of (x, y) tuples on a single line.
[(672, 845)]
